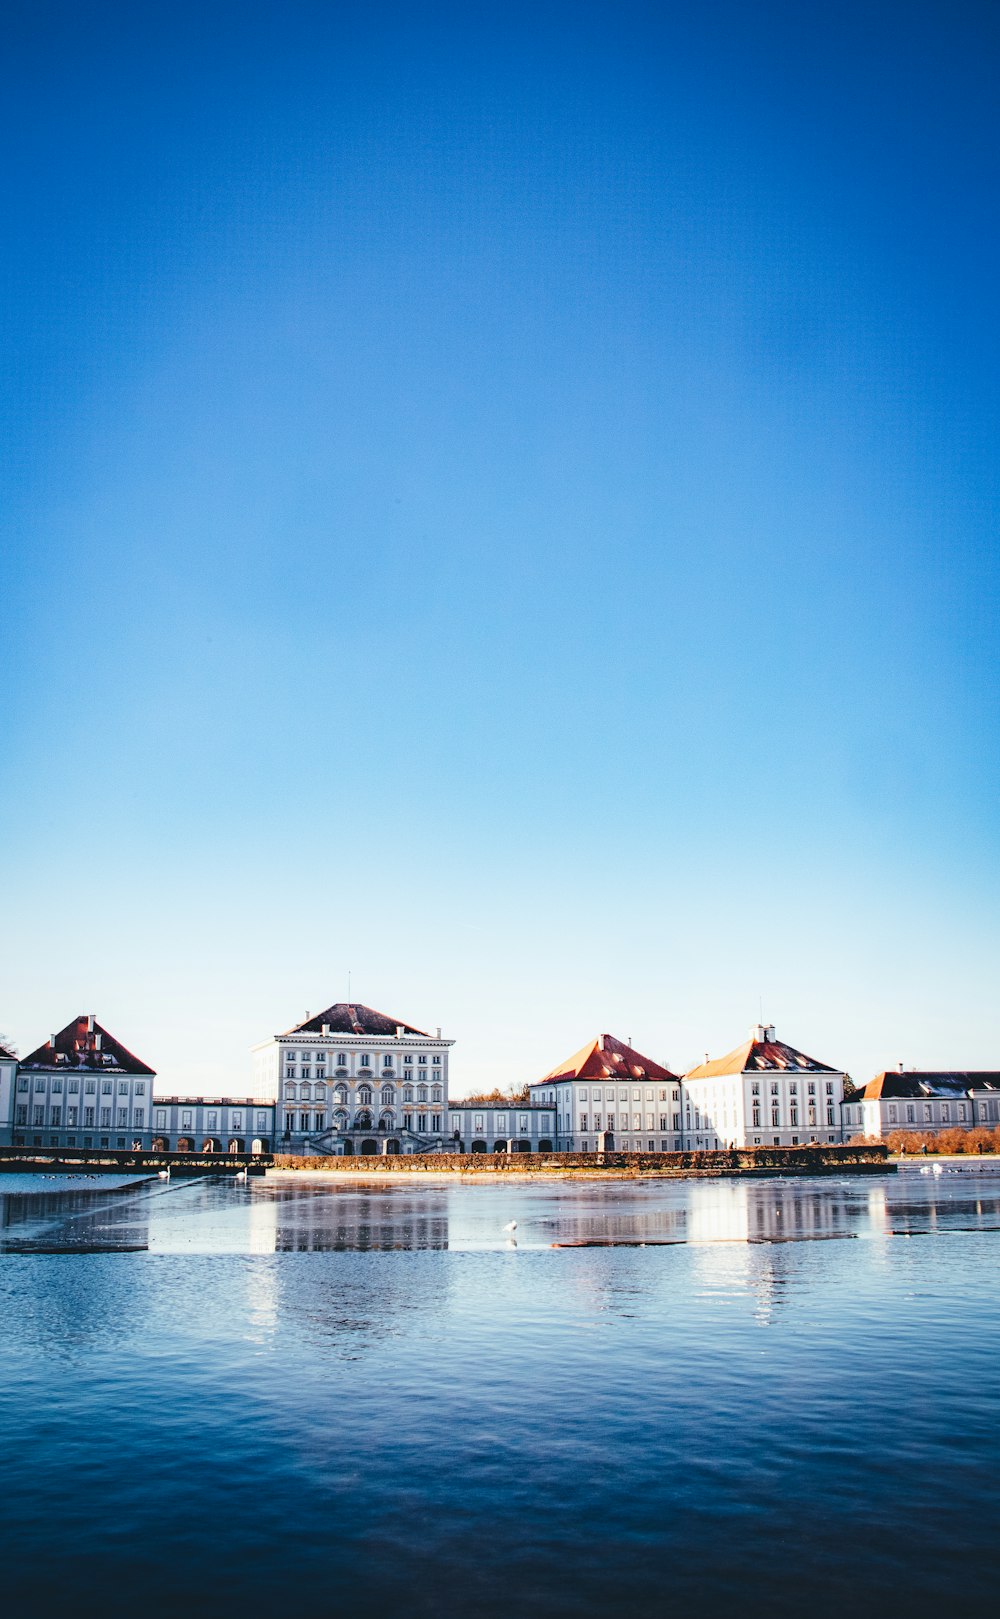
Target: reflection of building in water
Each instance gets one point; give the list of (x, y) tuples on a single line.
[(766, 1211), (315, 1222), (73, 1221)]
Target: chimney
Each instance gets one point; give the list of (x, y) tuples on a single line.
[(90, 1024), (900, 1068), (325, 1031), (97, 1042), (758, 1032), (439, 1031), (52, 1041), (399, 1031), (770, 1031)]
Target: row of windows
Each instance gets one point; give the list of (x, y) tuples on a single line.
[(364, 1061), (792, 1087), (55, 1085), (73, 1116), (317, 1093)]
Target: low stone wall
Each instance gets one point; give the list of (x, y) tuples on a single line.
[(732, 1161)]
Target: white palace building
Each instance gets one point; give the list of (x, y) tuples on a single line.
[(352, 1080)]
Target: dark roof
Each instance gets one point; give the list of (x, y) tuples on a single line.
[(759, 1056), (345, 1019), (927, 1082), (605, 1057), (6, 1055), (85, 1044)]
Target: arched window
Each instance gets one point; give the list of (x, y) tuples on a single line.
[(364, 1094), (388, 1094), (340, 1096)]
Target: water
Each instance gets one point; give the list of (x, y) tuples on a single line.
[(366, 1401)]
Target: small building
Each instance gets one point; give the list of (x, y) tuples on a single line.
[(354, 1080), (609, 1089), (212, 1124), (491, 1126), (764, 1094), (82, 1088), (920, 1100)]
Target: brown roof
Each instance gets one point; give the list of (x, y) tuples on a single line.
[(927, 1082), (603, 1058), (345, 1019), (756, 1056), (85, 1044)]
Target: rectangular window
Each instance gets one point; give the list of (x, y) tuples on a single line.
[(22, 1083), (71, 1115), (501, 1124), (21, 1113), (88, 1119), (407, 1121), (522, 1124), (90, 1089), (57, 1086), (139, 1116), (962, 1116), (56, 1118), (829, 1115), (73, 1087), (105, 1121), (140, 1087), (123, 1087), (910, 1114), (211, 1120), (945, 1113), (107, 1089), (421, 1121), (663, 1124), (928, 1113), (122, 1118), (185, 1121), (161, 1118), (893, 1113), (477, 1123), (583, 1122)]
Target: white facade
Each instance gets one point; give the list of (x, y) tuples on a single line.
[(82, 1089), (642, 1116), (8, 1078), (763, 1094)]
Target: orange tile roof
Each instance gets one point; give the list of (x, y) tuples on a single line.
[(603, 1058), (757, 1056)]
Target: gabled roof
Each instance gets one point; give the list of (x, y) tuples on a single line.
[(6, 1056), (345, 1019), (85, 1044), (604, 1058), (927, 1082), (758, 1055)]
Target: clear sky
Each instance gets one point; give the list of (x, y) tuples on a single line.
[(502, 501)]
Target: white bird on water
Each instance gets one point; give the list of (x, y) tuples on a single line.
[(511, 1225), (241, 1175), (164, 1174)]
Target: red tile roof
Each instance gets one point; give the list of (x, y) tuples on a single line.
[(756, 1056), (603, 1058), (345, 1019), (85, 1044)]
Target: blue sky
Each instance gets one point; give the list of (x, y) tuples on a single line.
[(501, 502)]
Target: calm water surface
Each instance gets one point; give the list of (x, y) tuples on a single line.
[(220, 1397)]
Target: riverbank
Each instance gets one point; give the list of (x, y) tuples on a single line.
[(738, 1161)]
